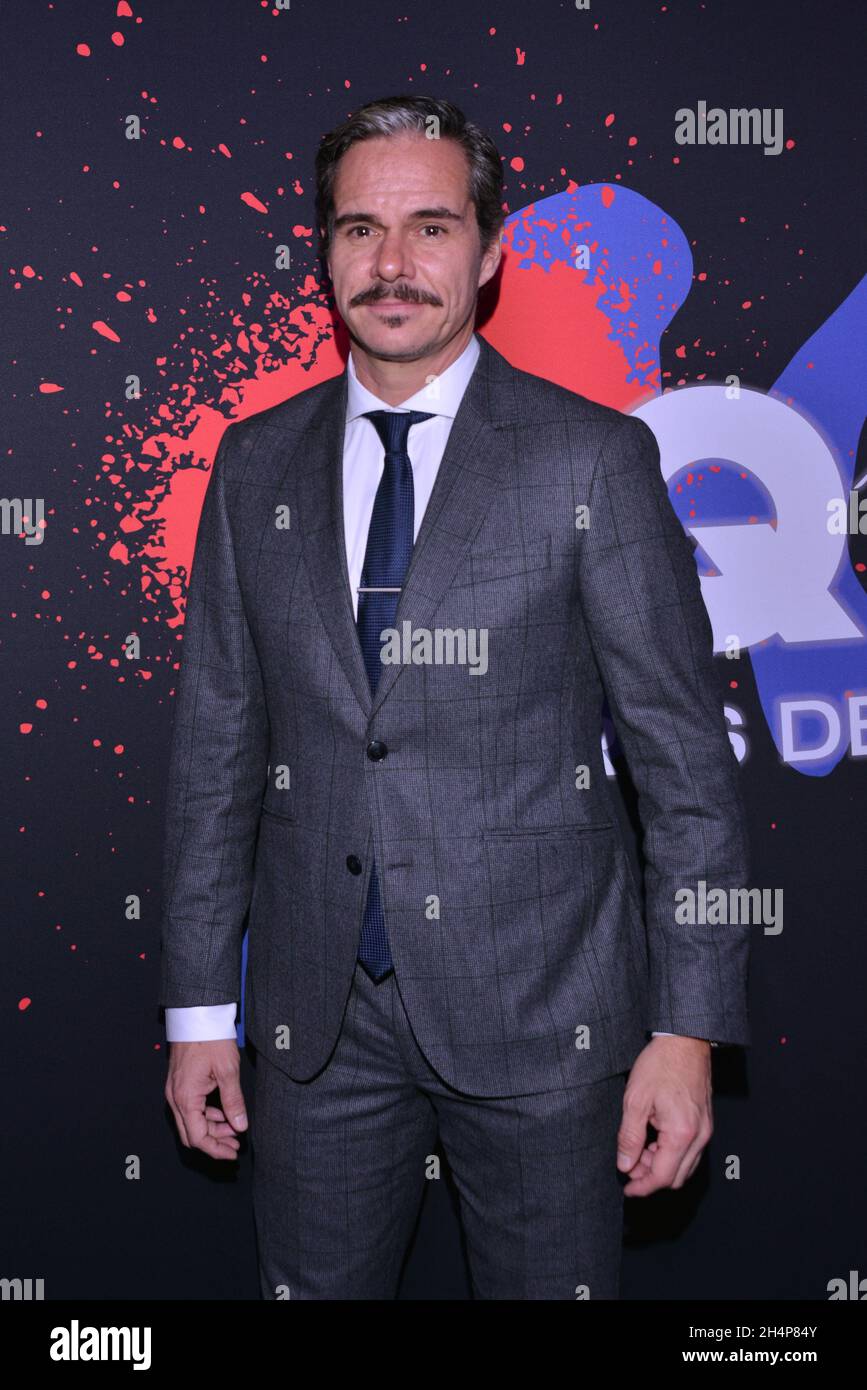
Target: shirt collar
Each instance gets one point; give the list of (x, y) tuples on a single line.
[(452, 385)]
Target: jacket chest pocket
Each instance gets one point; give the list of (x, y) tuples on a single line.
[(509, 560)]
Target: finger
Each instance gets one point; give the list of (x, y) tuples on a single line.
[(218, 1125), (681, 1157), (691, 1159), (642, 1166), (193, 1112), (665, 1164), (221, 1129), (693, 1169), (632, 1134), (232, 1100), (179, 1119)]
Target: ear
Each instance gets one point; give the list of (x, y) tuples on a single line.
[(491, 260)]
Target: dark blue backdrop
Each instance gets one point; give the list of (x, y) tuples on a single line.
[(151, 259)]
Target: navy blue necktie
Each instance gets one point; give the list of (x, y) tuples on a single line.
[(386, 561)]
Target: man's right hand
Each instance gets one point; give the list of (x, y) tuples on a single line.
[(196, 1069)]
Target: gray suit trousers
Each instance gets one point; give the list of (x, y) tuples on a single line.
[(340, 1163)]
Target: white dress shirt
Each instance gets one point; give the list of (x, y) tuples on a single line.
[(363, 465)]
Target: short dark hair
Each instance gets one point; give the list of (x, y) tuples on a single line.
[(394, 115)]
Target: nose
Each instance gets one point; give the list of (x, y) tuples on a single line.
[(393, 261)]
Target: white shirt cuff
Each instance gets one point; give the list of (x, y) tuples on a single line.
[(203, 1023), (657, 1033)]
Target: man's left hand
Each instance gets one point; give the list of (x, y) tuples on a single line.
[(669, 1086)]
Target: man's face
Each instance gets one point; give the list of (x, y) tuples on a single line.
[(405, 258)]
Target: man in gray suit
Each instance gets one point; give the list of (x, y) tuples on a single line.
[(413, 586)]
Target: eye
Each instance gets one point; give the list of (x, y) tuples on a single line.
[(433, 227), (359, 228)]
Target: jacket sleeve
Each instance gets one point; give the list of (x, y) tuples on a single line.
[(653, 646), (217, 768)]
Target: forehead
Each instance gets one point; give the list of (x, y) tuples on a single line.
[(396, 169)]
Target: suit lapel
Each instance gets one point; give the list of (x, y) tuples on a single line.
[(320, 502), (470, 474)]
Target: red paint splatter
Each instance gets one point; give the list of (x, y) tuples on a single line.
[(24, 1003), (99, 327), (253, 202)]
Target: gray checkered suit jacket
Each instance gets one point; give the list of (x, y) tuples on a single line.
[(520, 947)]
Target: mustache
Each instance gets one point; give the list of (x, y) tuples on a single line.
[(402, 292)]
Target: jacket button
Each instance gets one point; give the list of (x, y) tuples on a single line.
[(353, 863), (376, 750)]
